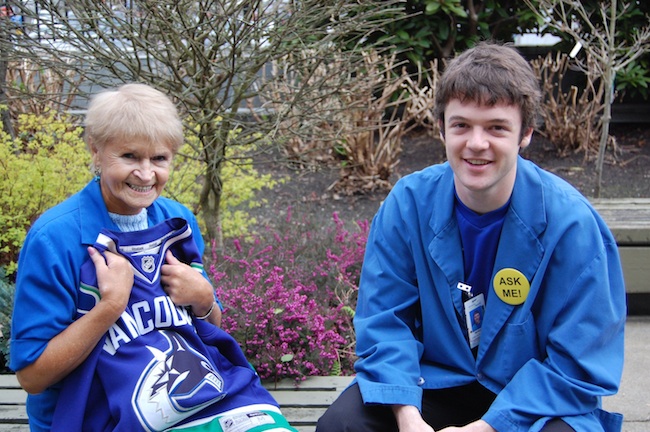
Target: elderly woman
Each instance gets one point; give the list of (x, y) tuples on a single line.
[(113, 327)]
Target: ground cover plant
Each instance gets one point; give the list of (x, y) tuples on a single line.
[(289, 295)]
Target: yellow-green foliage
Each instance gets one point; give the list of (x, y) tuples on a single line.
[(46, 163), (240, 181)]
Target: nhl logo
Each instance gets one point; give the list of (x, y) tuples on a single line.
[(148, 263)]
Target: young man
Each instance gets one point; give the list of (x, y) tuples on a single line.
[(486, 231)]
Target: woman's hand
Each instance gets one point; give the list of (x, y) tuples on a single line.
[(187, 287), (114, 280), (71, 347)]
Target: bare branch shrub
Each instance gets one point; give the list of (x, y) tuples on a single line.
[(307, 131), (207, 55), (593, 27), (422, 89), (570, 119), (372, 127), (34, 89), (359, 126)]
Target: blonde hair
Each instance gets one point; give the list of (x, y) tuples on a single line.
[(133, 111)]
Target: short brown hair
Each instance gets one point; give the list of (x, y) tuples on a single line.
[(488, 74)]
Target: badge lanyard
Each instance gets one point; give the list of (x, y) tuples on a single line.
[(474, 312)]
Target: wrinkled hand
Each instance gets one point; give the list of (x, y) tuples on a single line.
[(186, 286), (477, 426), (114, 279)]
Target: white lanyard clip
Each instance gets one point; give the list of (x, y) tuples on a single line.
[(464, 287)]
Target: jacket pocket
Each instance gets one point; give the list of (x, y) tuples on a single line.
[(520, 341)]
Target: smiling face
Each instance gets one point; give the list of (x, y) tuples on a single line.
[(482, 143), (133, 173)]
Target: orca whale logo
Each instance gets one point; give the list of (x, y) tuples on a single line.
[(176, 384)]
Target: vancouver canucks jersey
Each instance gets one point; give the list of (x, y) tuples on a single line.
[(158, 367)]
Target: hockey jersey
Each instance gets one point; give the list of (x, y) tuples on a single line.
[(159, 368)]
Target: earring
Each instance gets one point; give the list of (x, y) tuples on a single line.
[(97, 173)]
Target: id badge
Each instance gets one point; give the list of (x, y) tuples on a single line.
[(474, 312)]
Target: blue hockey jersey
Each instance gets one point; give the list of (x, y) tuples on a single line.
[(158, 367)]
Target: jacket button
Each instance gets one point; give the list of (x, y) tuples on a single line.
[(420, 381)]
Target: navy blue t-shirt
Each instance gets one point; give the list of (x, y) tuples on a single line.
[(479, 235)]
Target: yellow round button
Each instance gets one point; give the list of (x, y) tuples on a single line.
[(511, 286)]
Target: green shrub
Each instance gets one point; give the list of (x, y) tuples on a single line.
[(6, 307), (46, 163), (434, 30)]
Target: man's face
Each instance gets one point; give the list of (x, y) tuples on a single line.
[(482, 143)]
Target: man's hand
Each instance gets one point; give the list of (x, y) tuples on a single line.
[(409, 419), (477, 426)]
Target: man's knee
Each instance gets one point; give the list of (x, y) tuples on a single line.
[(349, 414), (557, 425), (340, 416), (331, 422)]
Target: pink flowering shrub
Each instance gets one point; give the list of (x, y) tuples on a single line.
[(289, 296)]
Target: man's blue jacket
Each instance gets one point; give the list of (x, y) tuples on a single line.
[(555, 355)]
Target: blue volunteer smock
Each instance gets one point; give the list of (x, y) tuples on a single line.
[(554, 355)]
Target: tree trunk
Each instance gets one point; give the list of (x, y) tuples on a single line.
[(608, 77), (210, 203), (604, 132), (7, 124)]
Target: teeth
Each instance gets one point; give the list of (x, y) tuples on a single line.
[(477, 162), (140, 188)]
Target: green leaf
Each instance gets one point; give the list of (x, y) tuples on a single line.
[(458, 11), (286, 358), (432, 8), (402, 35)]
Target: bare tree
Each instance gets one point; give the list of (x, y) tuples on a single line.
[(208, 55), (597, 34)]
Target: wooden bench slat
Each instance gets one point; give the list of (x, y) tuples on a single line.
[(628, 218), (13, 397), (10, 427), (8, 381), (311, 383), (303, 416), (13, 414), (636, 268), (299, 398)]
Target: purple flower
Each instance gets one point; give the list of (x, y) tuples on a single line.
[(288, 295)]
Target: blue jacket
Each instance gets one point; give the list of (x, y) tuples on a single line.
[(555, 355), (48, 278)]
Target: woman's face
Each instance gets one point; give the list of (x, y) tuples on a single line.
[(133, 173)]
